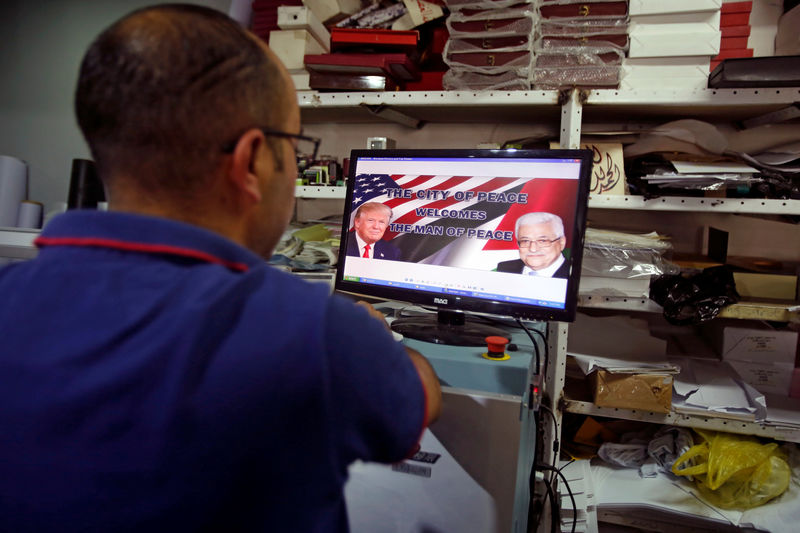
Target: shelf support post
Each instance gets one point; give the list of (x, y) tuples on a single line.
[(571, 111)]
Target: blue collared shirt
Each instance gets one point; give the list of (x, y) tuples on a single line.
[(155, 376)]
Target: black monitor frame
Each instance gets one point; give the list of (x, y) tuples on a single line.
[(454, 302)]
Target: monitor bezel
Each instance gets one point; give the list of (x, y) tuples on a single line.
[(452, 302)]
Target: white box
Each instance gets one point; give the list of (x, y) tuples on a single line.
[(759, 345), (656, 7), (684, 72), (769, 378), (302, 18), (701, 21), (328, 9), (673, 43), (301, 79), (292, 45)]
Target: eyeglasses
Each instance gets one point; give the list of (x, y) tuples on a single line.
[(540, 243), (304, 145)]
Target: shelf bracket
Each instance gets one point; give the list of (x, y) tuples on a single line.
[(392, 115)]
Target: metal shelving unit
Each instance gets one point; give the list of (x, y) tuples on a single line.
[(748, 310), (679, 203), (571, 109), (525, 106), (685, 420)]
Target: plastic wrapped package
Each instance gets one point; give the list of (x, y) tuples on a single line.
[(492, 23), (616, 254), (458, 5), (577, 66), (484, 44), (583, 25), (489, 62), (606, 33), (579, 56), (508, 80), (554, 9)]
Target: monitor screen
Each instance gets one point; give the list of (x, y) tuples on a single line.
[(487, 231)]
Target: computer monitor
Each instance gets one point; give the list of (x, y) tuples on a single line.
[(495, 232)]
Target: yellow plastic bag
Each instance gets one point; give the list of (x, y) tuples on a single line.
[(734, 471)]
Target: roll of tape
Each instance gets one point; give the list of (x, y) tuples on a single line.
[(30, 215)]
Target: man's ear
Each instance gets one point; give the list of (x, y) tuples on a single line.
[(245, 163)]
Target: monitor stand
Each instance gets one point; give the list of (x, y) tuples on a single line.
[(447, 327)]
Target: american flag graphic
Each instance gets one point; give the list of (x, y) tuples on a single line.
[(551, 195)]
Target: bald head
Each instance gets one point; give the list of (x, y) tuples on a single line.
[(161, 91)]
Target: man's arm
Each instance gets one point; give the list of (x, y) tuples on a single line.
[(430, 382), (433, 390)]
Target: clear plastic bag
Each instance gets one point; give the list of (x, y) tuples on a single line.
[(734, 471)]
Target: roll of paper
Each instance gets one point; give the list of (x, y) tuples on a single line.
[(30, 215), (13, 189)]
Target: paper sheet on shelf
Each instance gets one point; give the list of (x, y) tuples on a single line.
[(600, 337), (417, 497), (705, 386), (783, 411)]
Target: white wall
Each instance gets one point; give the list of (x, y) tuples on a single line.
[(43, 42)]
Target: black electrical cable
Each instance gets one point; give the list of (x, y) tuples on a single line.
[(556, 446), (553, 505), (538, 359), (569, 491)]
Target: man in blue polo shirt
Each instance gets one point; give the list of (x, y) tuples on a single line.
[(155, 373)]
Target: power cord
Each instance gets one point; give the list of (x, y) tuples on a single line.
[(569, 491)]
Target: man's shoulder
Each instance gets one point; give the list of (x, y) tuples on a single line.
[(513, 265)]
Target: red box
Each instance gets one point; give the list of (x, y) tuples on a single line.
[(734, 19), (736, 52), (398, 66), (735, 31), (429, 81), (584, 9), (733, 43), (736, 7), (343, 38)]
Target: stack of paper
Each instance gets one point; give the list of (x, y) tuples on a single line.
[(578, 475), (706, 176), (783, 412)]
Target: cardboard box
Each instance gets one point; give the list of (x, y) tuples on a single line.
[(753, 343), (769, 378), (645, 392), (758, 285), (291, 46)]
